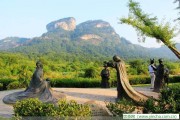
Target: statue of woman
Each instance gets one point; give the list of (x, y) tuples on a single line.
[(124, 89), (38, 88)]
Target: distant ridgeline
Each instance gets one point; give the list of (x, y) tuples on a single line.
[(93, 38)]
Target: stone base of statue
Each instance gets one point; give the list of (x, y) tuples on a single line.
[(44, 93)]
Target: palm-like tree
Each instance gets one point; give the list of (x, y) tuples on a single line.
[(148, 26)]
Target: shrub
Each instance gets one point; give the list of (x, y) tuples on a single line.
[(34, 107), (1, 86), (15, 85), (121, 107), (76, 82), (169, 101), (90, 73), (73, 109), (28, 107), (6, 82)]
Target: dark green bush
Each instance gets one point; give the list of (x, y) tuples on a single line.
[(78, 82), (34, 107), (174, 79), (15, 85), (1, 86), (123, 106), (169, 101), (90, 73), (91, 82), (6, 82)]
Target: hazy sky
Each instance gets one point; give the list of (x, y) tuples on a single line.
[(28, 18)]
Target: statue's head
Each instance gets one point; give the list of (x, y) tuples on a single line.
[(160, 60), (151, 61), (116, 58), (39, 64)]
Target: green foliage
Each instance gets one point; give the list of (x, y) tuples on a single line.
[(90, 73), (169, 101), (73, 109), (6, 82), (79, 82), (15, 85), (138, 67), (76, 82), (123, 106), (24, 75), (148, 26), (34, 107), (1, 86)]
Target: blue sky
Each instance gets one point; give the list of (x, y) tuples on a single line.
[(28, 18)]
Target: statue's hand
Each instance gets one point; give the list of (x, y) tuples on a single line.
[(111, 64)]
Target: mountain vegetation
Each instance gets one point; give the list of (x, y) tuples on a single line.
[(93, 39)]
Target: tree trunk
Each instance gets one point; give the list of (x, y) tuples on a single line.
[(175, 51)]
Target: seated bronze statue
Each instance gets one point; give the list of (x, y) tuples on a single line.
[(38, 88)]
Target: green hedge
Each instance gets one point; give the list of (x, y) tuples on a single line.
[(34, 107), (1, 86), (77, 82), (6, 82), (15, 85), (88, 82), (169, 101)]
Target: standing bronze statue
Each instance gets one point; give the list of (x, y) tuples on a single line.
[(159, 81), (38, 88), (105, 73), (124, 89)]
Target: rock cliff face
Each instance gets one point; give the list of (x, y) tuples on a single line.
[(95, 32), (12, 42), (68, 24)]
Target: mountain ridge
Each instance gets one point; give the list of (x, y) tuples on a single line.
[(92, 37)]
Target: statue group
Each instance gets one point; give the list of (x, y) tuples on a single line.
[(38, 88)]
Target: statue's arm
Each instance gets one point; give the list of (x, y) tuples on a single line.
[(111, 64)]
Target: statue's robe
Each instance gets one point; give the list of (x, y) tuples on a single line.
[(38, 88), (159, 81), (123, 86)]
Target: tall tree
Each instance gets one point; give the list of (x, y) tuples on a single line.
[(147, 26)]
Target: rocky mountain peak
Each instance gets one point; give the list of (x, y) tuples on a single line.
[(68, 24)]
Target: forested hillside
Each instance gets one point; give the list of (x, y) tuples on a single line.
[(90, 39)]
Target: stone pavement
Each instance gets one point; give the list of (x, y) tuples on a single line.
[(81, 95)]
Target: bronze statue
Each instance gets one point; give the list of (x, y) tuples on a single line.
[(124, 89), (38, 88), (159, 81), (105, 73)]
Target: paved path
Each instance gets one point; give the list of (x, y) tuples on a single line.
[(81, 95)]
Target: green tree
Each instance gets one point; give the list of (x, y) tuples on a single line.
[(139, 66), (90, 73), (147, 26), (24, 75)]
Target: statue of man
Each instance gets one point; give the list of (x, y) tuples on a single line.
[(159, 81), (105, 73)]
